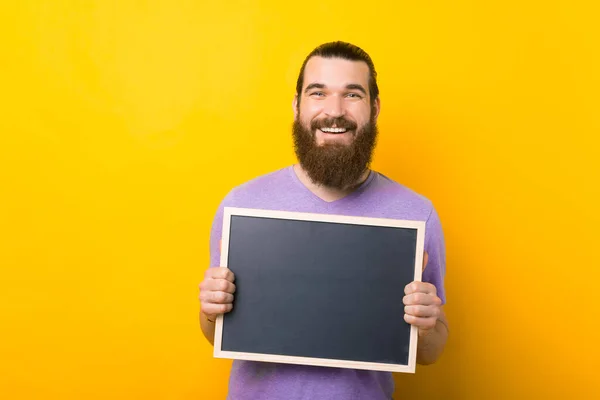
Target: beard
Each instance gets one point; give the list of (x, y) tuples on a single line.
[(336, 165)]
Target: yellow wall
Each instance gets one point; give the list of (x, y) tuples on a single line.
[(125, 122)]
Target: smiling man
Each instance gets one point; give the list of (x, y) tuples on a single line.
[(335, 130), (335, 121)]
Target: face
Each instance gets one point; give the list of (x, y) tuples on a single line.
[(335, 121)]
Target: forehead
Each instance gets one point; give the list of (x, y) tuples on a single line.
[(334, 72)]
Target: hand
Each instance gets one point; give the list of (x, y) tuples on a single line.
[(216, 292), (422, 306)]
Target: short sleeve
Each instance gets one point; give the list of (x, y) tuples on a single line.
[(436, 249), (216, 232)]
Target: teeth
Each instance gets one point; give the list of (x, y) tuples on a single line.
[(333, 130)]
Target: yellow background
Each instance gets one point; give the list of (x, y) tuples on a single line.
[(124, 123)]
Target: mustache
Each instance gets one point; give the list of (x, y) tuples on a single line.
[(339, 122)]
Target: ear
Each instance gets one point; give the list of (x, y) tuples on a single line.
[(377, 107), (295, 106)]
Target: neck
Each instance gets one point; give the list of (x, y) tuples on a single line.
[(326, 193)]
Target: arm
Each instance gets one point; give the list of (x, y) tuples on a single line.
[(209, 308), (423, 309), (208, 328), (432, 342)]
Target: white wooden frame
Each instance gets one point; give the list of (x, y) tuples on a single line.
[(228, 212)]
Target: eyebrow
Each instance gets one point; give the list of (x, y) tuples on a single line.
[(350, 86), (356, 86), (314, 86)]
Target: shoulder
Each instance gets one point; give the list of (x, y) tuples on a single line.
[(395, 196), (258, 188)]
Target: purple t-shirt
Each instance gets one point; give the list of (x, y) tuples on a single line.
[(378, 197)]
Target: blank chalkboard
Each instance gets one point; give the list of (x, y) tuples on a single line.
[(319, 289)]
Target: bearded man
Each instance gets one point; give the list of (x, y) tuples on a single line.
[(336, 106)]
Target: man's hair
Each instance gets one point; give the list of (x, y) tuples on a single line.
[(345, 51)]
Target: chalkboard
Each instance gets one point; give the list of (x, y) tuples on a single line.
[(322, 290)]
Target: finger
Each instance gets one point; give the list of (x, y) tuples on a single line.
[(220, 245), (421, 323), (422, 311), (220, 285), (425, 260), (421, 299), (220, 273), (215, 309), (219, 297), (422, 287), (215, 297), (217, 285)]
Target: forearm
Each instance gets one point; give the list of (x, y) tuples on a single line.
[(208, 328), (431, 343)]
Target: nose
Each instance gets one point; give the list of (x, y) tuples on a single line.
[(334, 107)]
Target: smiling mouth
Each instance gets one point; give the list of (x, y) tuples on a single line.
[(333, 130)]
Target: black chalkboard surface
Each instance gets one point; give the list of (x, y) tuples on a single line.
[(318, 289)]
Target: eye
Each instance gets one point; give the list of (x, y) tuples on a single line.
[(354, 96), (317, 94)]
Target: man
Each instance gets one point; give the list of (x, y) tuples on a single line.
[(335, 113)]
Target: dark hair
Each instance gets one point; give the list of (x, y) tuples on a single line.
[(346, 51)]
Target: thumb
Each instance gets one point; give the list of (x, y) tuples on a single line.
[(425, 259)]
